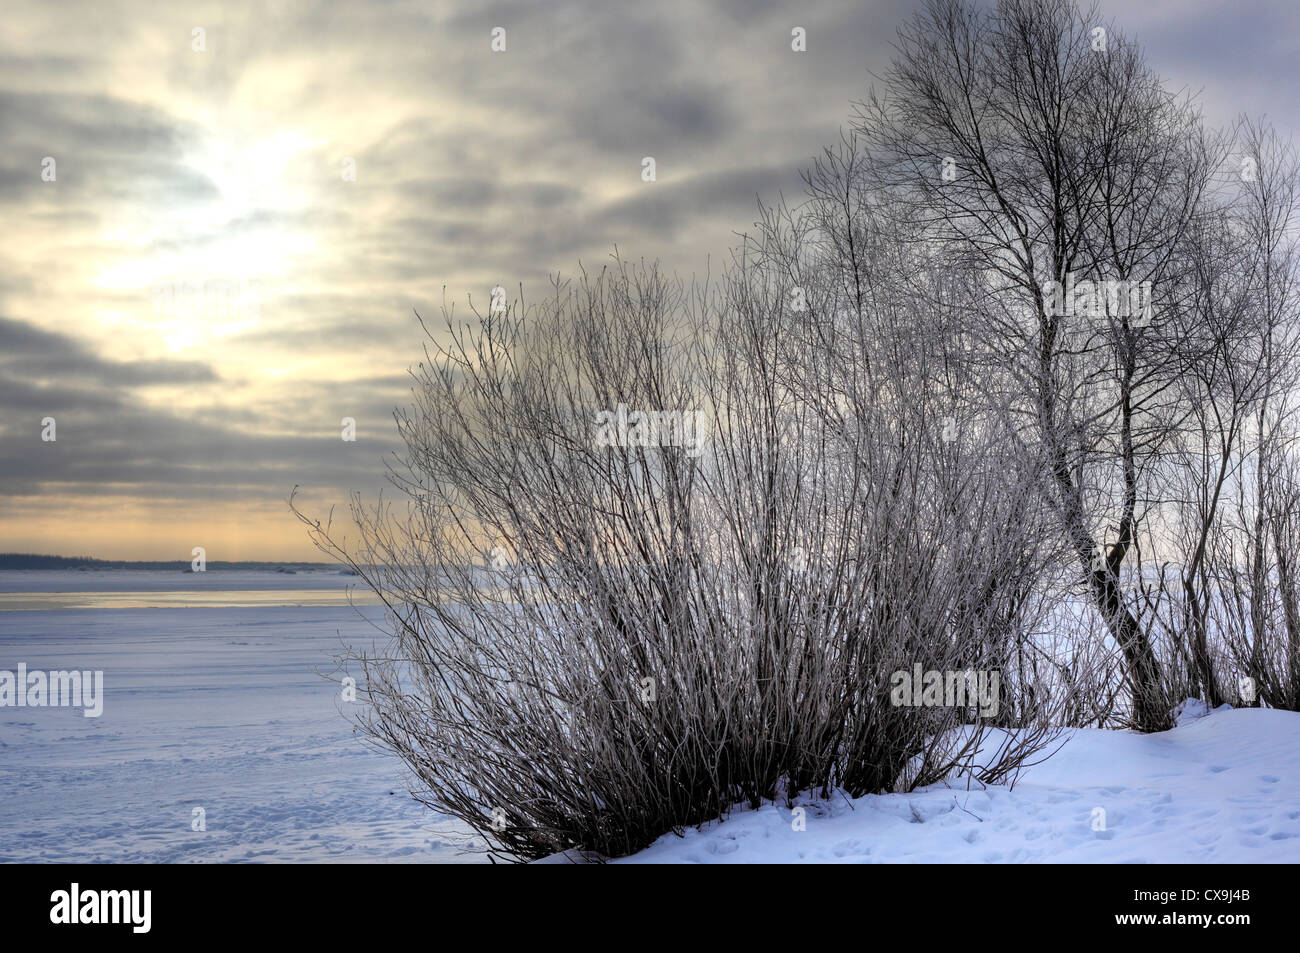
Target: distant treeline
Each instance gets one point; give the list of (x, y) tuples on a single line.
[(33, 561)]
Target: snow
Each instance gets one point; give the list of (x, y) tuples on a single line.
[(1222, 788), (228, 708)]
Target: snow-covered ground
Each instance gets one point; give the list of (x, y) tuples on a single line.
[(226, 709), (1220, 788)]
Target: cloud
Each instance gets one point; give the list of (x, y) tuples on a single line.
[(472, 168), (109, 442), (30, 354)]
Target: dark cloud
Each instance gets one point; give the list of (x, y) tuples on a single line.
[(102, 146), (666, 207), (31, 354), (109, 442)]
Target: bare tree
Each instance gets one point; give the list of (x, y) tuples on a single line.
[(1035, 146), (1250, 557)]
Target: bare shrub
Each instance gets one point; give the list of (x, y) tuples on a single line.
[(596, 642)]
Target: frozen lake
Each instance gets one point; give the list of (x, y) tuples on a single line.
[(214, 698)]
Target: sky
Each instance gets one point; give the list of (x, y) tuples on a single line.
[(247, 202)]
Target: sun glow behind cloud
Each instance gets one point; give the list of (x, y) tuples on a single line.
[(207, 265)]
